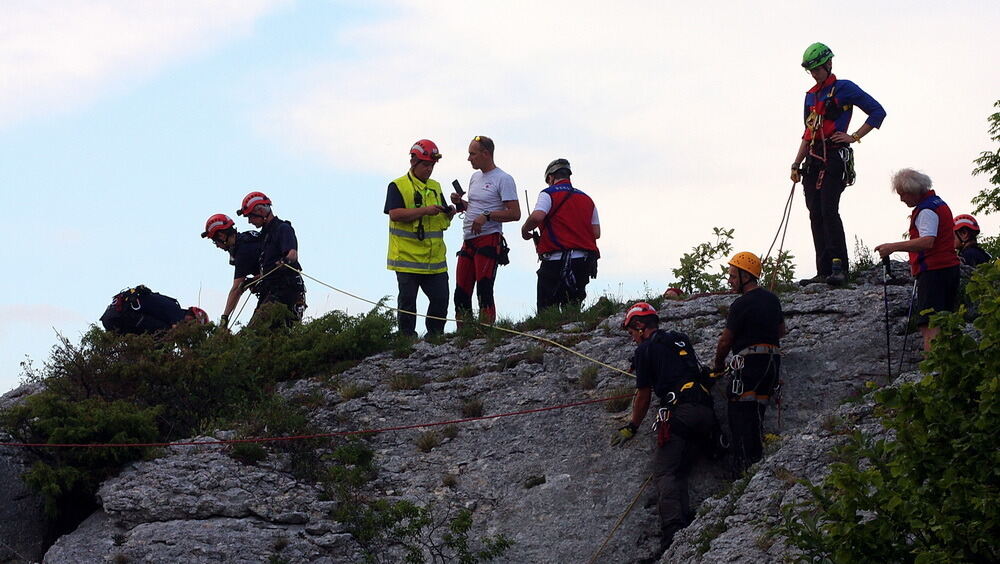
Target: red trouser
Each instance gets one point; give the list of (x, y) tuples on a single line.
[(476, 269)]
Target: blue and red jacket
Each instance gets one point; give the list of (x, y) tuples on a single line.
[(942, 254), (567, 226), (834, 101)]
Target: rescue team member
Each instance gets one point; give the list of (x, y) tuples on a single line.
[(754, 327), (492, 201), (665, 363), (244, 255), (826, 159), (278, 246), (567, 246), (933, 260), (418, 216), (966, 233), (139, 310)]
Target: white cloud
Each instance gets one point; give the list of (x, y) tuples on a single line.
[(677, 117), (55, 56)]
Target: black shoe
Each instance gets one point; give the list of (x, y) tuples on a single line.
[(814, 280), (837, 279)]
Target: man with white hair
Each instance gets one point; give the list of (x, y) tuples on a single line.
[(933, 260), (279, 246)]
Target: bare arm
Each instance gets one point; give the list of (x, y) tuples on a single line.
[(596, 228), (404, 215), (722, 349), (640, 405), (234, 296), (911, 246), (534, 220)]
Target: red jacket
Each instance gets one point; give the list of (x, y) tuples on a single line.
[(942, 254), (567, 225)]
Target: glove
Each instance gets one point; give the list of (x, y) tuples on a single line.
[(796, 176), (623, 435), (224, 321)]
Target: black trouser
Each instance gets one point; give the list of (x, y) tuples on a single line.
[(829, 240), (746, 410), (553, 289), (690, 427), (435, 287), (289, 290)]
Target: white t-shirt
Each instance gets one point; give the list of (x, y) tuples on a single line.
[(544, 204), (487, 192), (927, 223)]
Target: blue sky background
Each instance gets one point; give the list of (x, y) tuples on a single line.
[(123, 125)]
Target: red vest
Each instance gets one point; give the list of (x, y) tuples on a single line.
[(567, 225), (942, 254)]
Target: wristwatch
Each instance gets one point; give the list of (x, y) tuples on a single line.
[(486, 214)]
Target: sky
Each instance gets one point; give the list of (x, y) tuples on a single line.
[(125, 124)]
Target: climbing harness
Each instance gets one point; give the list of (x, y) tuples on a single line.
[(662, 426)]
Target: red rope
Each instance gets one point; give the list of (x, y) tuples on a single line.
[(318, 435)]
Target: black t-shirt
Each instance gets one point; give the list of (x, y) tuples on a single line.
[(393, 198), (974, 256), (277, 238), (755, 318), (245, 255)]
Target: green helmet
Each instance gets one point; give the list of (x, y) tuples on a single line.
[(816, 54)]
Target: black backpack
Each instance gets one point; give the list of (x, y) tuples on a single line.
[(691, 382), (140, 310)]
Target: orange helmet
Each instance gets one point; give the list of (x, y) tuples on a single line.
[(425, 150), (198, 314), (216, 223), (252, 200), (639, 309), (966, 221), (747, 262)]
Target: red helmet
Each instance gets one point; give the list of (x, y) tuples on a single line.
[(252, 200), (198, 314), (966, 221), (639, 309), (425, 150), (216, 223)]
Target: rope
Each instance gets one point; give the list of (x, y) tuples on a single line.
[(253, 282), (786, 215), (497, 327), (319, 435), (620, 520)]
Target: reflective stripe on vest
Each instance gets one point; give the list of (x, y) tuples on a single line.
[(412, 235), (412, 249), (416, 265)]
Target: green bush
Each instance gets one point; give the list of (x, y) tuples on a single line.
[(694, 274), (929, 493), (164, 387)]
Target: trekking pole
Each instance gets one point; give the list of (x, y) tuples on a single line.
[(906, 330), (885, 298)]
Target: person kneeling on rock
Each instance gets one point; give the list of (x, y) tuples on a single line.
[(665, 362)]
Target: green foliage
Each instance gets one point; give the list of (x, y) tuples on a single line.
[(551, 319), (990, 244), (406, 381), (428, 440), (863, 260), (779, 272), (248, 453), (71, 475), (988, 199), (694, 274), (384, 528), (472, 408), (163, 387), (929, 494), (588, 377), (620, 403)]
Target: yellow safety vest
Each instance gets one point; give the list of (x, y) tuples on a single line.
[(409, 249)]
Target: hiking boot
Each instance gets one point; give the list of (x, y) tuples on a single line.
[(836, 279), (814, 280)]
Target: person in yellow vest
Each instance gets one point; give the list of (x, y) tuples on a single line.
[(418, 215)]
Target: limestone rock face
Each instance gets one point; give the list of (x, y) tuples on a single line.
[(23, 524), (546, 479)]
